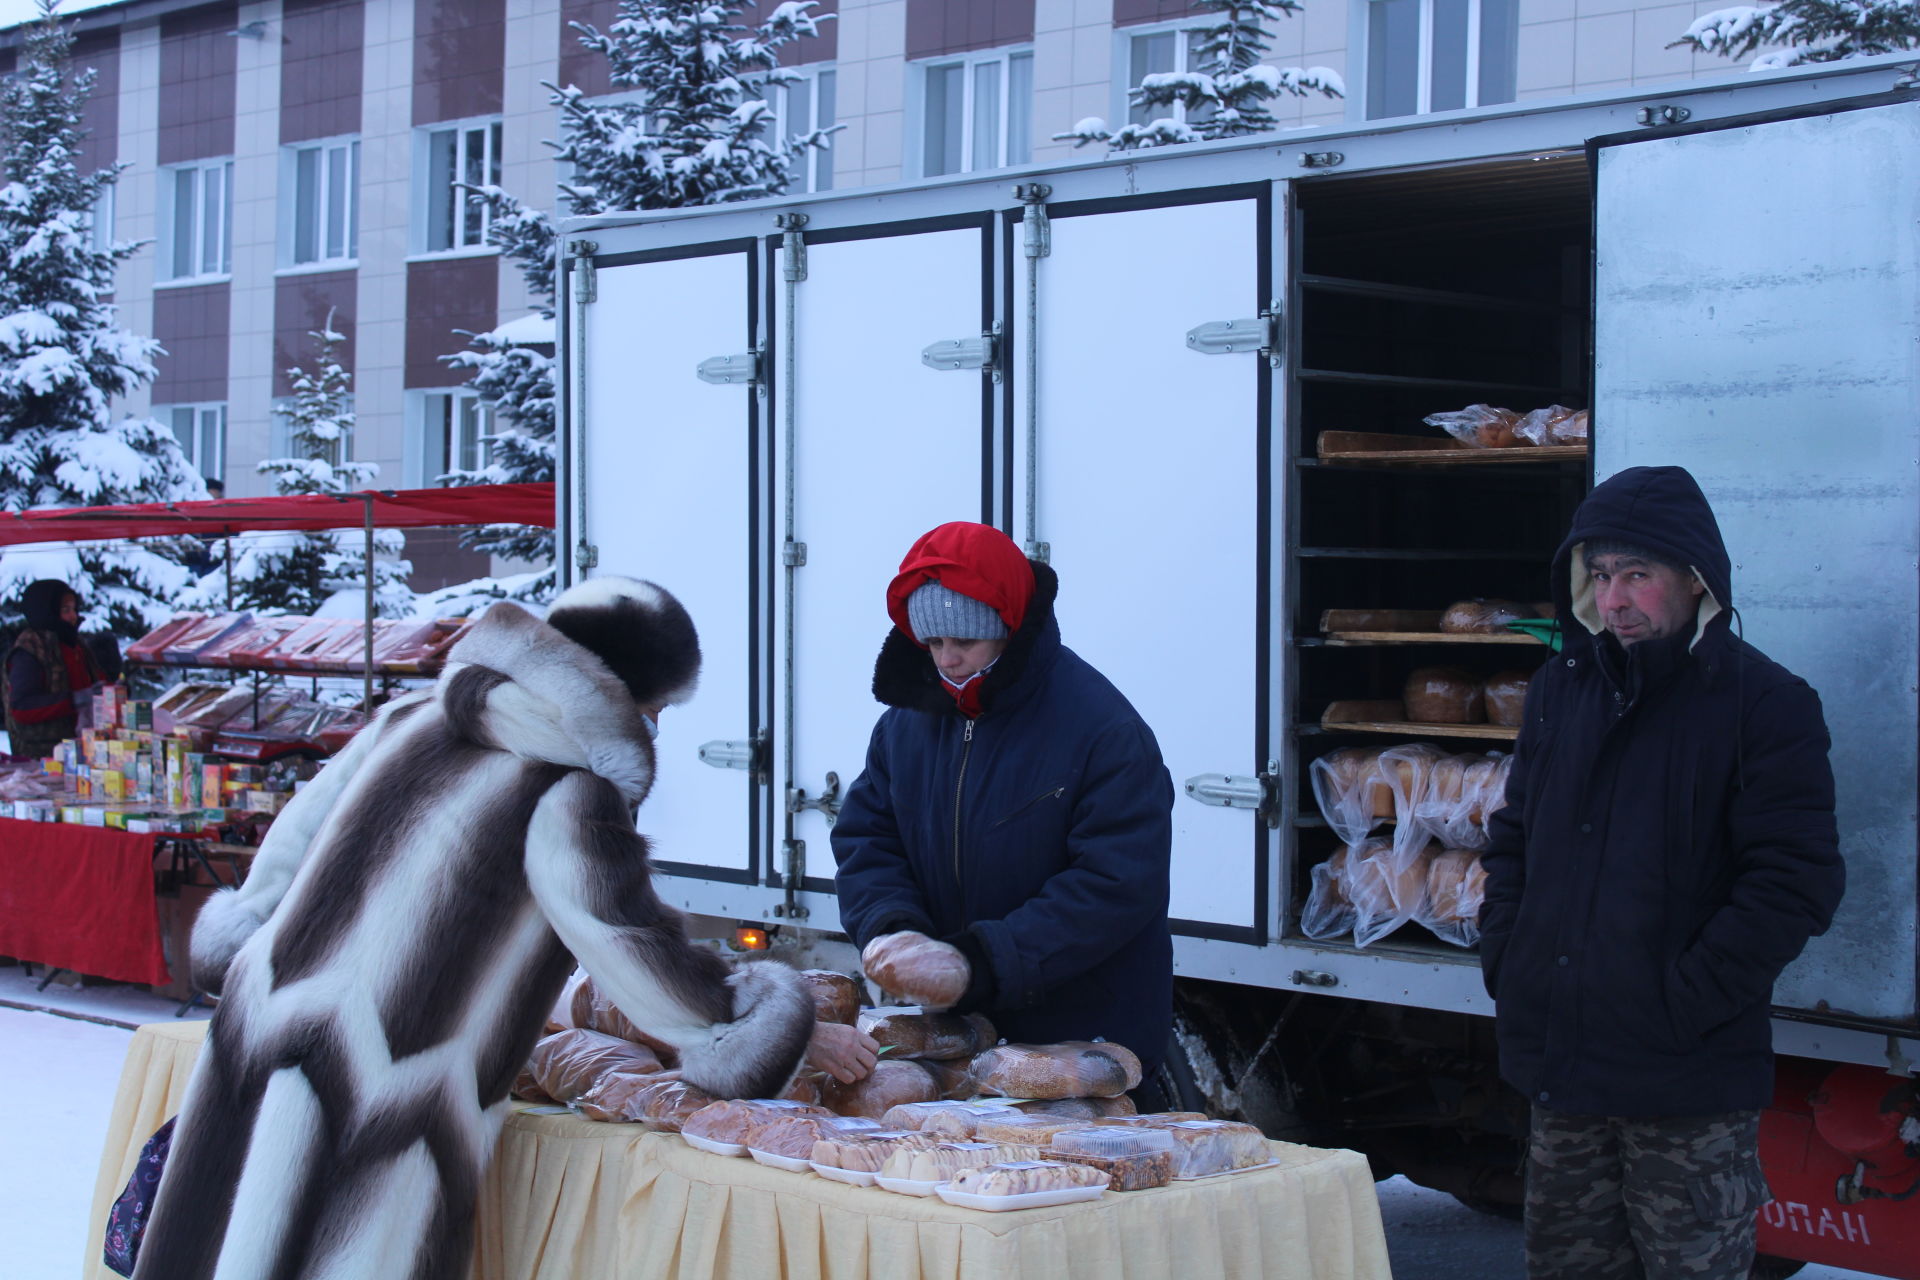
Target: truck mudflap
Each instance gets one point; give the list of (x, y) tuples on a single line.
[(1841, 1149)]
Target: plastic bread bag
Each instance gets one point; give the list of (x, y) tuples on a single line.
[(1480, 425), (1410, 770), (1452, 808), (1490, 798), (918, 969), (892, 1084), (1072, 1069), (604, 1016), (836, 997), (1385, 892), (1351, 792), (568, 1063), (1456, 886), (1537, 427), (929, 1035), (620, 1098), (1328, 912), (1572, 429)]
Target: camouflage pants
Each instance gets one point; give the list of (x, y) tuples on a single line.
[(1610, 1198)]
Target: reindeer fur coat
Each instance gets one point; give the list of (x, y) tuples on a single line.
[(408, 924)]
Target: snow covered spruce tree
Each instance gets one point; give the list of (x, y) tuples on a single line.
[(301, 572), (63, 356), (1793, 32), (695, 134), (1225, 93)]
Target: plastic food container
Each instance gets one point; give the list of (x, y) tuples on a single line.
[(1111, 1144)]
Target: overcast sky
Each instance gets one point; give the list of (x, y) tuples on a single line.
[(15, 12)]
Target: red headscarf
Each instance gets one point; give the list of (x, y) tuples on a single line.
[(977, 560)]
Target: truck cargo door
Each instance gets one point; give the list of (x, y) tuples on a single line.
[(1152, 497), (669, 496), (879, 448), (1757, 321)]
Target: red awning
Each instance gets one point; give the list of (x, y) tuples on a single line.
[(530, 504)]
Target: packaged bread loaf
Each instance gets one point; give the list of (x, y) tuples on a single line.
[(940, 1161), (1506, 696), (1150, 1120), (929, 1035), (1077, 1108), (1552, 425), (1480, 425), (836, 997), (1024, 1130), (793, 1136), (891, 1084), (1328, 911), (1132, 1159), (865, 1152), (1074, 1069), (528, 1089), (617, 1098), (1456, 886), (1481, 616), (568, 1063), (1025, 1177), (726, 1121), (917, 968), (1205, 1147), (805, 1088), (950, 1076), (666, 1105), (602, 1015), (1385, 891), (961, 1120), (1352, 792), (1444, 695)]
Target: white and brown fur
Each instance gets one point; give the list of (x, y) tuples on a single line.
[(408, 923)]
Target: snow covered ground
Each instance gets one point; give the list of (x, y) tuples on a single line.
[(58, 1075)]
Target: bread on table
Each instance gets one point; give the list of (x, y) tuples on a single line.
[(1150, 1120), (836, 997), (1073, 1069), (961, 1120), (568, 1063), (670, 1102), (951, 1077), (864, 1152), (1202, 1147), (1134, 1159), (1077, 1108), (930, 1035), (1027, 1130), (942, 1160), (794, 1136), (1444, 695), (1025, 1177), (891, 1084)]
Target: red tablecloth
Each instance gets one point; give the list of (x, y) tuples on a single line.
[(80, 898)]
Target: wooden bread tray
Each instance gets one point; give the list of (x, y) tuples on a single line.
[(1380, 446), (1391, 717), (1404, 626)]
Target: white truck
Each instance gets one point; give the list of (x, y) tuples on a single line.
[(1132, 364)]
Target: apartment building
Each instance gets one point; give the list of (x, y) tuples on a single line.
[(295, 160)]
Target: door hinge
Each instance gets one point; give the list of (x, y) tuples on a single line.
[(749, 754), (827, 802), (793, 555), (1259, 334), (982, 353), (1037, 231), (793, 266), (1663, 114), (586, 556), (585, 286), (1260, 794), (794, 855), (731, 371)]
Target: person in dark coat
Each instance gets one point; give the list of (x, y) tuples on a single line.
[(1667, 848), (1014, 806), (48, 668)]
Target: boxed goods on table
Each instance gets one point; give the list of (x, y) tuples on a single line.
[(184, 648), (1073, 1069), (919, 1115), (1134, 1159), (1036, 1131), (152, 647), (239, 647)]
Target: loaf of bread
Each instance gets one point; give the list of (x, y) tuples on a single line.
[(1485, 792), (594, 1011), (1025, 1177), (1074, 1069), (568, 1063), (793, 1136), (1328, 910), (1077, 1108), (1481, 616), (1382, 887), (1444, 695), (930, 1035), (1456, 886), (528, 1089), (1133, 1159), (951, 1076), (617, 1098), (1572, 429), (961, 1120), (726, 1121), (1352, 791), (836, 997), (940, 1161), (1506, 697), (864, 1152), (1480, 425), (1025, 1130), (1151, 1120), (669, 1103), (1555, 424), (1203, 1147), (891, 1084), (805, 1088), (917, 968)]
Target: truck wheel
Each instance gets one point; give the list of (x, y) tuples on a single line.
[(1767, 1266)]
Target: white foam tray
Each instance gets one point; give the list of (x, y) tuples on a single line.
[(852, 1177), (791, 1164), (717, 1148), (907, 1186), (1032, 1200)]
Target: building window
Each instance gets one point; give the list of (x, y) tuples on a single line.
[(457, 157), (977, 112), (323, 183), (1440, 55), (196, 220), (799, 107), (1168, 51), (338, 452), (201, 430), (455, 426), (100, 220)]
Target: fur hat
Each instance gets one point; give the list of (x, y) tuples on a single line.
[(639, 630)]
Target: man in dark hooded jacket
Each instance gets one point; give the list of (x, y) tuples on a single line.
[(1667, 848), (47, 670), (1014, 806)]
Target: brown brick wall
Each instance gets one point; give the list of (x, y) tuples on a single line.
[(197, 83), (1127, 13), (100, 50), (192, 325), (936, 27), (579, 66), (444, 295), (300, 306), (320, 61), (459, 48)]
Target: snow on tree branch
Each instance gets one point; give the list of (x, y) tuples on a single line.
[(1795, 32)]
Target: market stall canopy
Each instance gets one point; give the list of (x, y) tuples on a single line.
[(529, 504)]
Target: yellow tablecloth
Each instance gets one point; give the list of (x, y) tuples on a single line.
[(569, 1199)]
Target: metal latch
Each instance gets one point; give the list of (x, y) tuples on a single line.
[(731, 371), (1231, 791), (793, 555), (792, 880), (1662, 115), (585, 287), (749, 755), (1321, 159), (981, 353), (827, 802), (1314, 978), (1232, 337)]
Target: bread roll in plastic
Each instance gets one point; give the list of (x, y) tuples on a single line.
[(892, 1084), (916, 968), (568, 1063), (930, 1035), (1074, 1069), (836, 997)]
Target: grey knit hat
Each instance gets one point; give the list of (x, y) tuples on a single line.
[(935, 610)]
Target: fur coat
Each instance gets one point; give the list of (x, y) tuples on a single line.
[(408, 924)]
